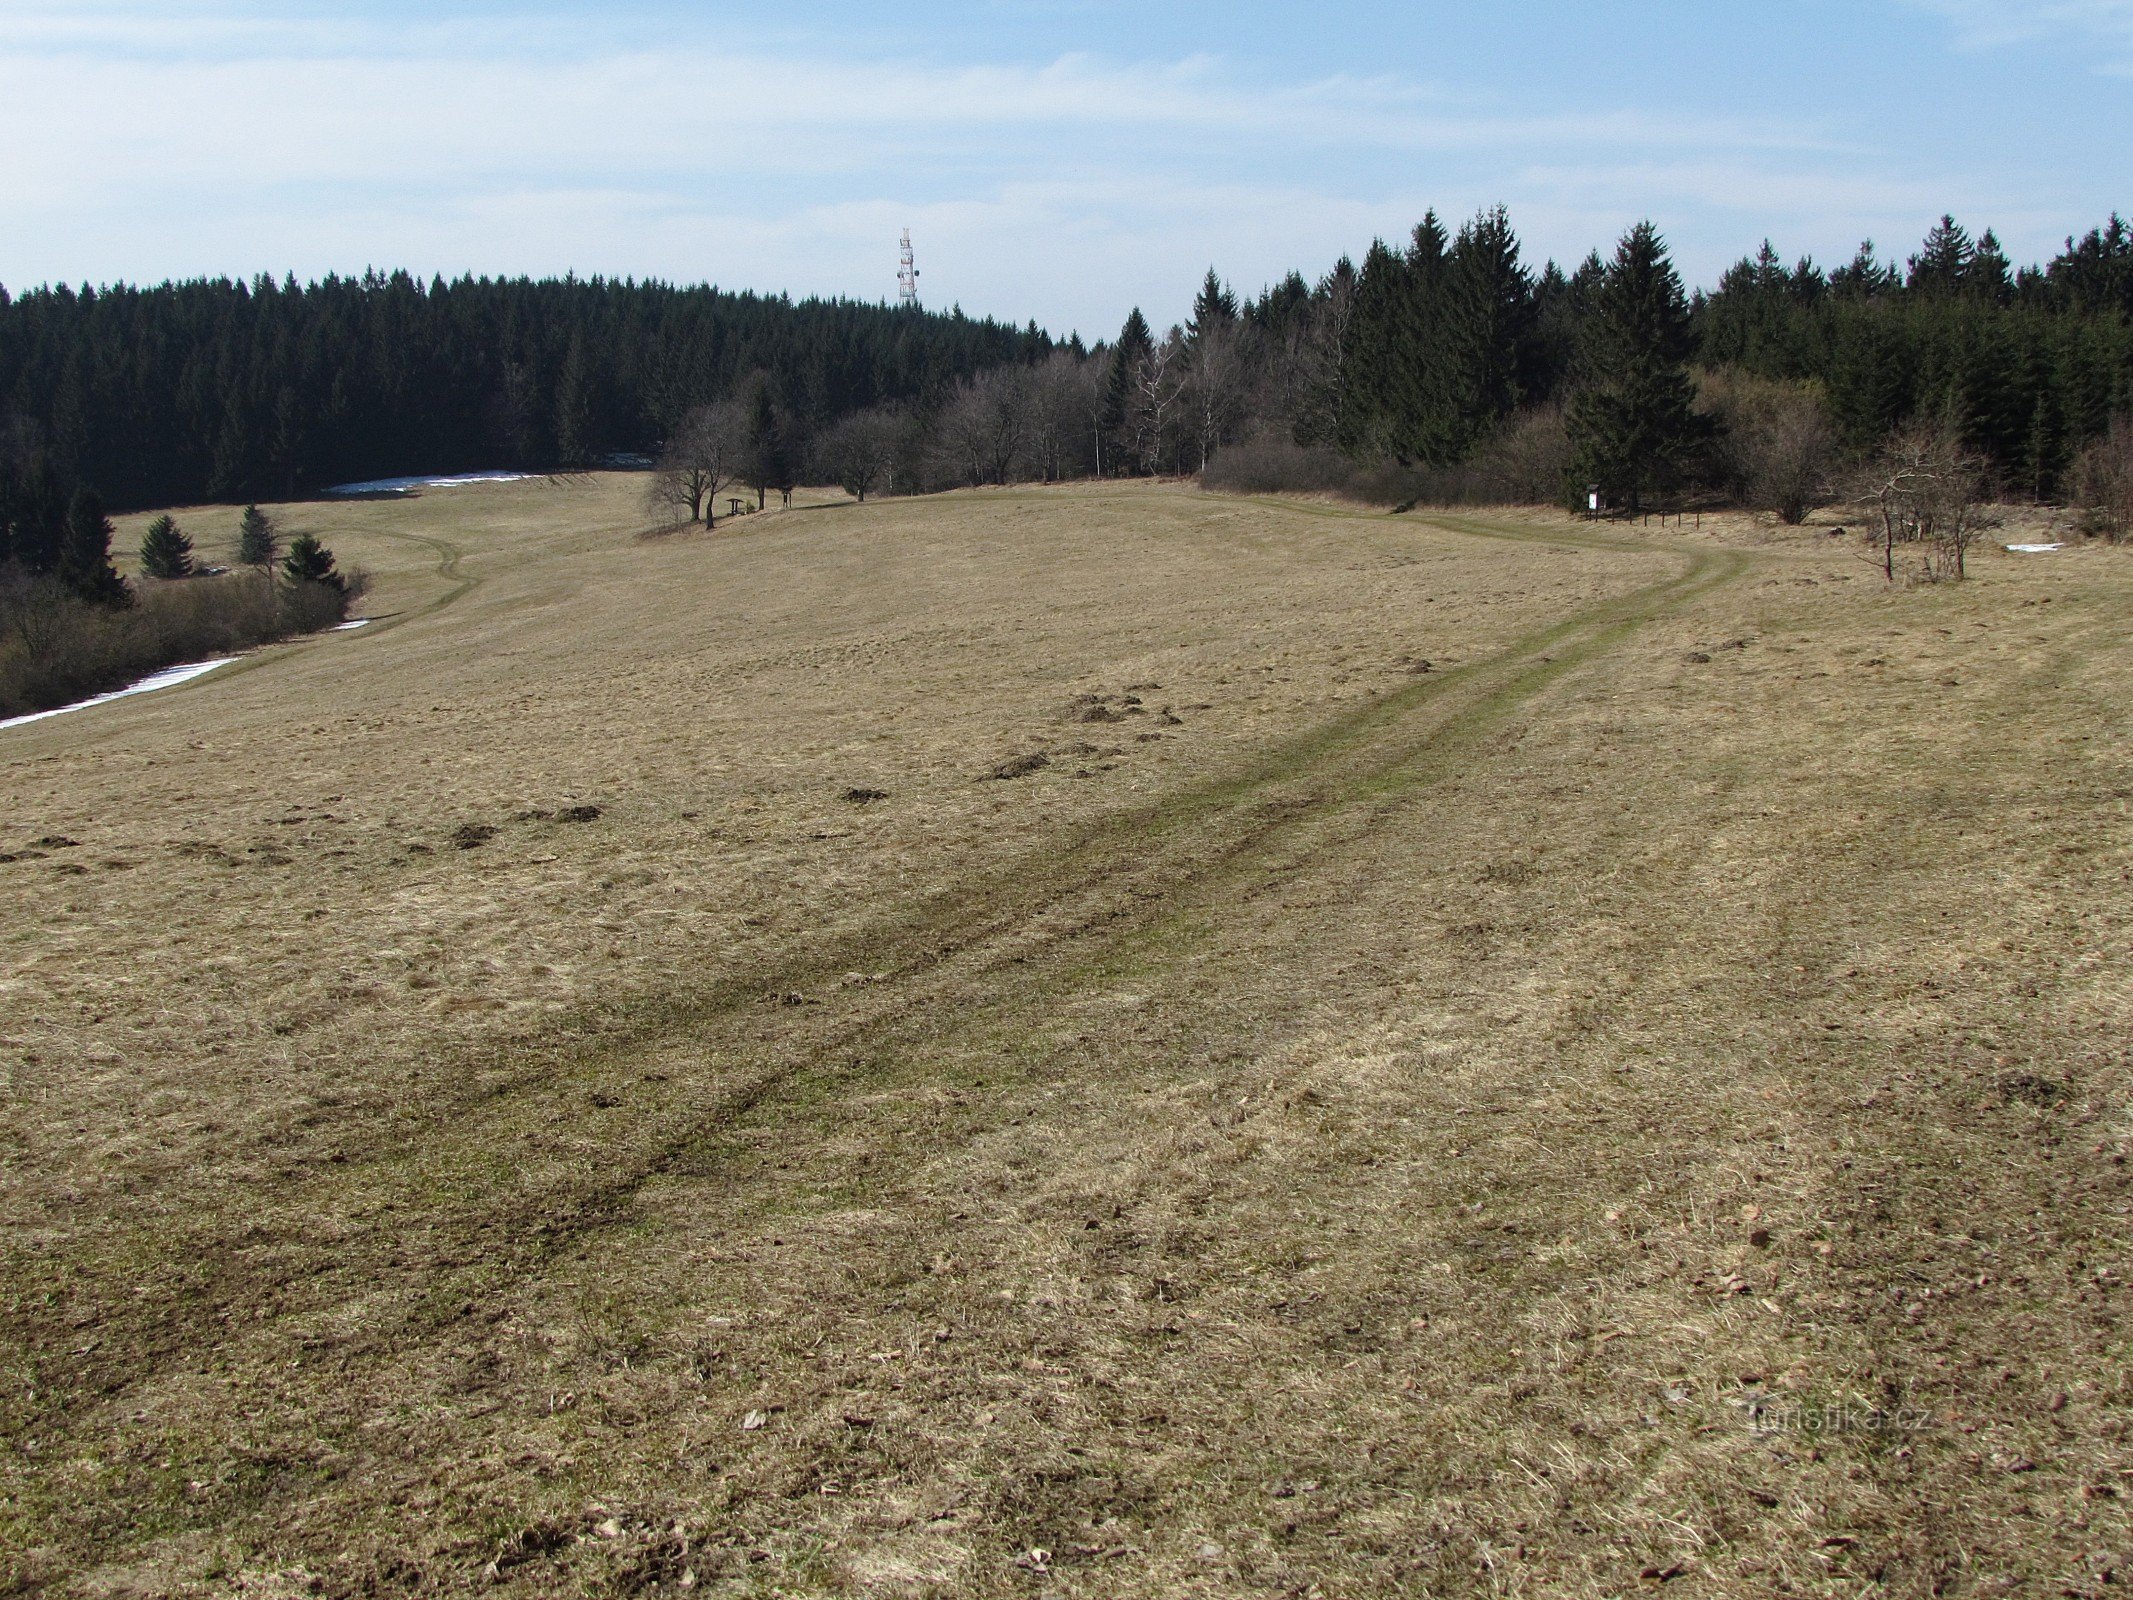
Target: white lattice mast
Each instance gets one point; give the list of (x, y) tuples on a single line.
[(907, 274)]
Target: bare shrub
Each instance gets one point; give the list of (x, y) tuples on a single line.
[(2103, 482), (56, 648), (1527, 463), (1929, 498), (1776, 448), (1270, 462)]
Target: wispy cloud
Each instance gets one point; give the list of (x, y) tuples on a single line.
[(469, 97), (203, 137), (2105, 26)]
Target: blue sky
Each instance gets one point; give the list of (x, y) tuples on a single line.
[(1055, 159)]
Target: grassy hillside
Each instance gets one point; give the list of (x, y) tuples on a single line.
[(592, 1084)]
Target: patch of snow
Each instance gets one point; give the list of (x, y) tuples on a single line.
[(169, 677), (2035, 549), (412, 485), (349, 627)]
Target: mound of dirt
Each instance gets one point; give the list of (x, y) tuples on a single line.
[(1107, 707)]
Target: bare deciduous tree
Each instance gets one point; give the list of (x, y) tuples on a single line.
[(1155, 402), (1066, 395), (861, 453), (979, 434), (1222, 369), (1318, 357), (705, 453)]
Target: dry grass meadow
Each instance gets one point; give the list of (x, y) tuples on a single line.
[(591, 1086)]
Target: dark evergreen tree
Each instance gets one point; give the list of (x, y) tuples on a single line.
[(1282, 309), (1869, 375), (1213, 307), (2095, 275), (1423, 398), (1942, 266), (1865, 278), (1135, 347), (1991, 277), (165, 550), (574, 409), (770, 457), (1376, 366), (1632, 419), (1551, 345), (35, 513), (224, 390), (1487, 318), (258, 540), (85, 557), (308, 561)]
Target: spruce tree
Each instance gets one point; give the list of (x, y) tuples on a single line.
[(1865, 279), (1991, 275), (165, 550), (1488, 315), (1632, 421), (1943, 264), (1871, 374), (1423, 400), (2096, 274), (85, 555), (1374, 371), (258, 540), (1214, 307), (1550, 349), (1135, 347), (308, 561)]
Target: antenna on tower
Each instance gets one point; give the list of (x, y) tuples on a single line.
[(907, 275)]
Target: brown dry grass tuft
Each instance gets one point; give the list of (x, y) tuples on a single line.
[(1644, 1100)]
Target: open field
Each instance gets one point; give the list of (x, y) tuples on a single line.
[(589, 1085)]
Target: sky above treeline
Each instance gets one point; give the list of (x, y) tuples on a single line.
[(1056, 160)]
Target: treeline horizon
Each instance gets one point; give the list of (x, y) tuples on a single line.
[(219, 389), (1442, 364), (1444, 369)]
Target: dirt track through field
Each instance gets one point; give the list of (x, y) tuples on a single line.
[(1158, 1209), (485, 1226), (1105, 884)]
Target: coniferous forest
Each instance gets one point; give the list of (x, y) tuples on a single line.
[(232, 391), (1449, 355)]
